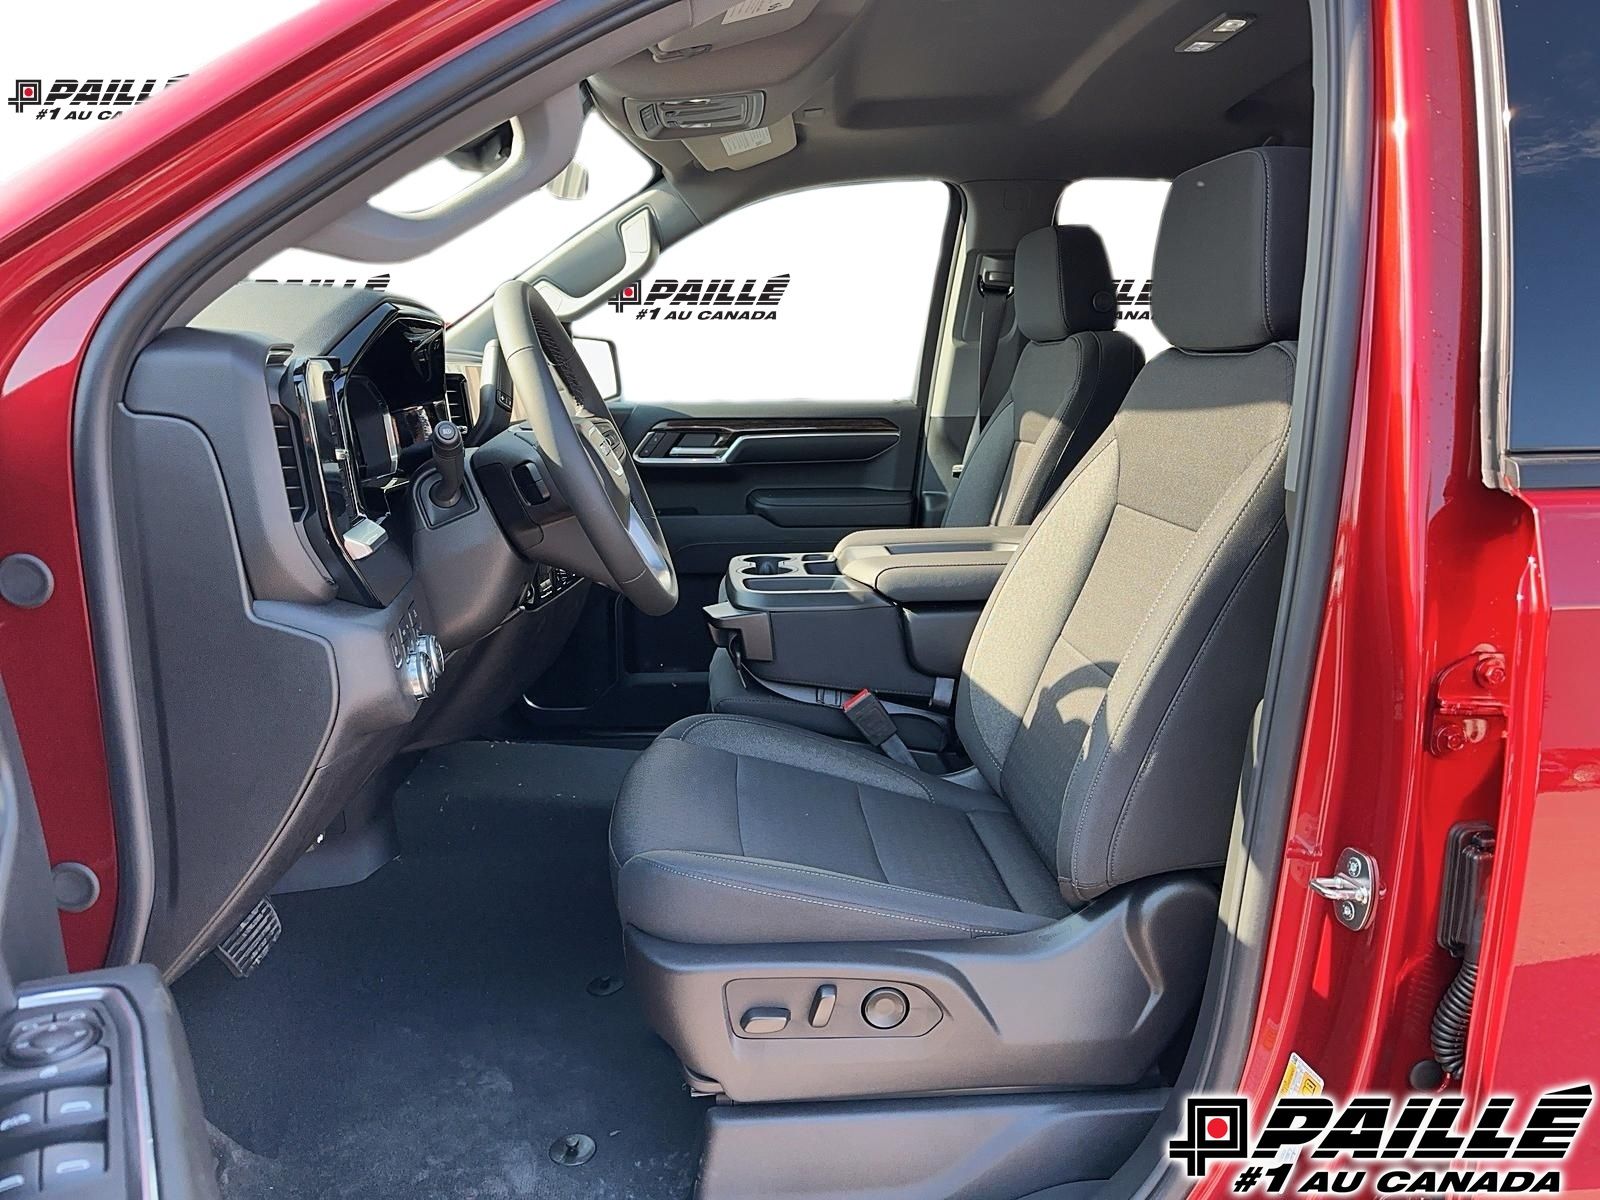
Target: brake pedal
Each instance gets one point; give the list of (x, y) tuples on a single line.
[(243, 950)]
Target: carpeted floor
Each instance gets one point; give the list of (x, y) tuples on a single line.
[(429, 1032)]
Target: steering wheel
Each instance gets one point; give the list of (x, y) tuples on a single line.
[(582, 449)]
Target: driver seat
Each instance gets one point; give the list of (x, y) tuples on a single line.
[(808, 919)]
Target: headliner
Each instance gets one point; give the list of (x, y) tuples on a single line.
[(994, 89)]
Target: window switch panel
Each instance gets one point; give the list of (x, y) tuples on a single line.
[(70, 1162), (75, 1105), (21, 1116), (19, 1176)]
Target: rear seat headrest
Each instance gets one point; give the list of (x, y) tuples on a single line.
[(1231, 254), (1063, 283)]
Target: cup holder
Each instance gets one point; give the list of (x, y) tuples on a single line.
[(769, 564)]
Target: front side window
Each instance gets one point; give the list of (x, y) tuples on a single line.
[(1126, 214), (815, 295), (461, 274)]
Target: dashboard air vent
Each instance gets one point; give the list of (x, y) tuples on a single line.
[(294, 484), (278, 355), (455, 400)]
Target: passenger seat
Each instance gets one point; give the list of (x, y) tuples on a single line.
[(1068, 382), (810, 920), (1067, 385)]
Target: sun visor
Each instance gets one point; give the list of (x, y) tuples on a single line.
[(543, 141)]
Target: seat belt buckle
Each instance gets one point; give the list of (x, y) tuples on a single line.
[(873, 722)]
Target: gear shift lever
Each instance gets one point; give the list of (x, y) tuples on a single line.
[(449, 459)]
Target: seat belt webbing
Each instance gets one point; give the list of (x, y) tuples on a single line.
[(991, 323)]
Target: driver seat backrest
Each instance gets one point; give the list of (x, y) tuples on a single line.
[(1107, 691), (1071, 374)]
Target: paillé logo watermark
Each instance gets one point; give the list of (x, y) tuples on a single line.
[(703, 299), (82, 99), (1133, 299), (375, 283), (1407, 1137)]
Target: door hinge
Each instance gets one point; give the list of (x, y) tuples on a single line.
[(1469, 701), (1354, 890)]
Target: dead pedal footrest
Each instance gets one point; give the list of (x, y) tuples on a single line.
[(243, 950)]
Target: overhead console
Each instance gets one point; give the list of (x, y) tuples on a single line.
[(754, 64)]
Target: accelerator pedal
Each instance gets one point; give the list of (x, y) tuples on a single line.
[(243, 950)]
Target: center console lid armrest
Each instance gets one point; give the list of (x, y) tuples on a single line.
[(913, 541), (960, 577), (929, 566)]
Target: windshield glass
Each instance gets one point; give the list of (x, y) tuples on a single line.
[(463, 272)]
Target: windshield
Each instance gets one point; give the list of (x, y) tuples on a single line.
[(455, 278)]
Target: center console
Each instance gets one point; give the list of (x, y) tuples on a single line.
[(891, 611)]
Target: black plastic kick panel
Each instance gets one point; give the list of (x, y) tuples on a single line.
[(922, 1148)]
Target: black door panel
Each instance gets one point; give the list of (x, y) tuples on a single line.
[(833, 508), (726, 479), (792, 476)]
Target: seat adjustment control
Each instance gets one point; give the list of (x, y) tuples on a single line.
[(764, 1020), (822, 1005), (884, 1008)]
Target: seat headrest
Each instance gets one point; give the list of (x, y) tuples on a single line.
[(1063, 283), (1231, 254)]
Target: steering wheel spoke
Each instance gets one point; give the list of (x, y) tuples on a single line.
[(584, 453)]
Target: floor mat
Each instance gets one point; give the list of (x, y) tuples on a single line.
[(429, 1032)]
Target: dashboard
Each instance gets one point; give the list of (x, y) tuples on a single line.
[(393, 395), (282, 554), (357, 417)]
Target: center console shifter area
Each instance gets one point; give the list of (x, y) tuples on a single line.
[(890, 611)]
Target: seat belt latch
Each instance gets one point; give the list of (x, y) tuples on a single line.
[(872, 721)]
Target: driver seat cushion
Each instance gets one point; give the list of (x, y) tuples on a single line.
[(748, 831)]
